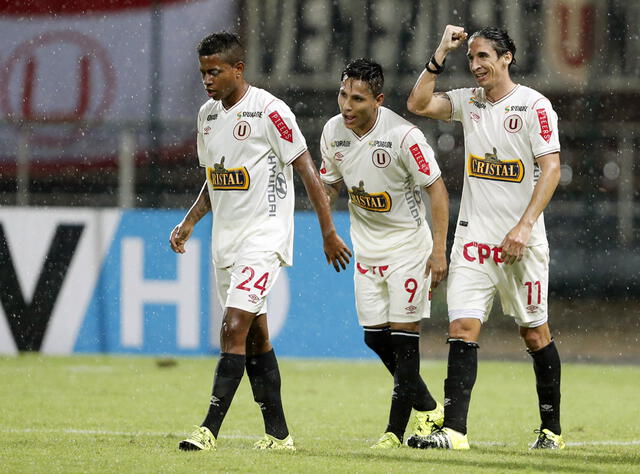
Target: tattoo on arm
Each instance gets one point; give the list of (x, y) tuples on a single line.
[(204, 206)]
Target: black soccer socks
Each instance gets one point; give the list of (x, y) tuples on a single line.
[(229, 372), (379, 341), (405, 379), (546, 364), (264, 376), (462, 370)]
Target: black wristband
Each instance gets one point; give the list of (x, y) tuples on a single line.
[(432, 71), (435, 63), (438, 67)]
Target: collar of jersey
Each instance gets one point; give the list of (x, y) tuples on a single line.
[(508, 94), (372, 128), (246, 93)]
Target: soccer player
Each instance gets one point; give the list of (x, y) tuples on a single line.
[(249, 143), (385, 162), (512, 168)]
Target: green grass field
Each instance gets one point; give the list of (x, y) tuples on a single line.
[(125, 414)]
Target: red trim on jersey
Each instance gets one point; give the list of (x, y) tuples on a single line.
[(297, 156), (453, 107), (509, 94), (272, 101), (406, 134), (323, 140), (372, 128), (541, 98), (331, 182), (545, 153), (246, 93)]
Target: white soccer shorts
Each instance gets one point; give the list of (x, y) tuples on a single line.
[(246, 284), (476, 273), (392, 292)]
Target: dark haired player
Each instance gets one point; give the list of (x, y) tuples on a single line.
[(512, 168), (385, 162), (248, 143)]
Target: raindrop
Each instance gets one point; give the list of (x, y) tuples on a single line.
[(446, 142), (611, 170), (566, 174)]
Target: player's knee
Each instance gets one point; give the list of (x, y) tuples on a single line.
[(464, 329), (257, 345), (535, 339), (230, 329), (233, 331)]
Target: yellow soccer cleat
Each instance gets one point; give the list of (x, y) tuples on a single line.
[(200, 440), (269, 442), (440, 438), (547, 439), (387, 441), (425, 422)]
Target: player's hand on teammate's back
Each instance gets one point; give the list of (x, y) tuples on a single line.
[(179, 236), (515, 243), (437, 266), (336, 251)]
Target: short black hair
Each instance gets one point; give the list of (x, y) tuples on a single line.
[(500, 39), (227, 45), (365, 70)]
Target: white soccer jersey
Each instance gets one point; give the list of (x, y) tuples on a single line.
[(246, 151), (502, 140), (384, 171)]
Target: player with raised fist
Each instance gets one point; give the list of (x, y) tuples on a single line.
[(512, 168)]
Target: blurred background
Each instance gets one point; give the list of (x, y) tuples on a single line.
[(98, 100)]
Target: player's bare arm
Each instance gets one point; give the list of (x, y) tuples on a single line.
[(181, 233), (335, 250), (437, 262), (515, 242), (422, 100), (333, 191)]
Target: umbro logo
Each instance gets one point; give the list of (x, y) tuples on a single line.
[(215, 401), (254, 298)]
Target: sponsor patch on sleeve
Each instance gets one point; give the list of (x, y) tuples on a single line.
[(423, 166), (284, 131), (545, 128)]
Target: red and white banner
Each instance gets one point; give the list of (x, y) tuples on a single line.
[(76, 71)]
